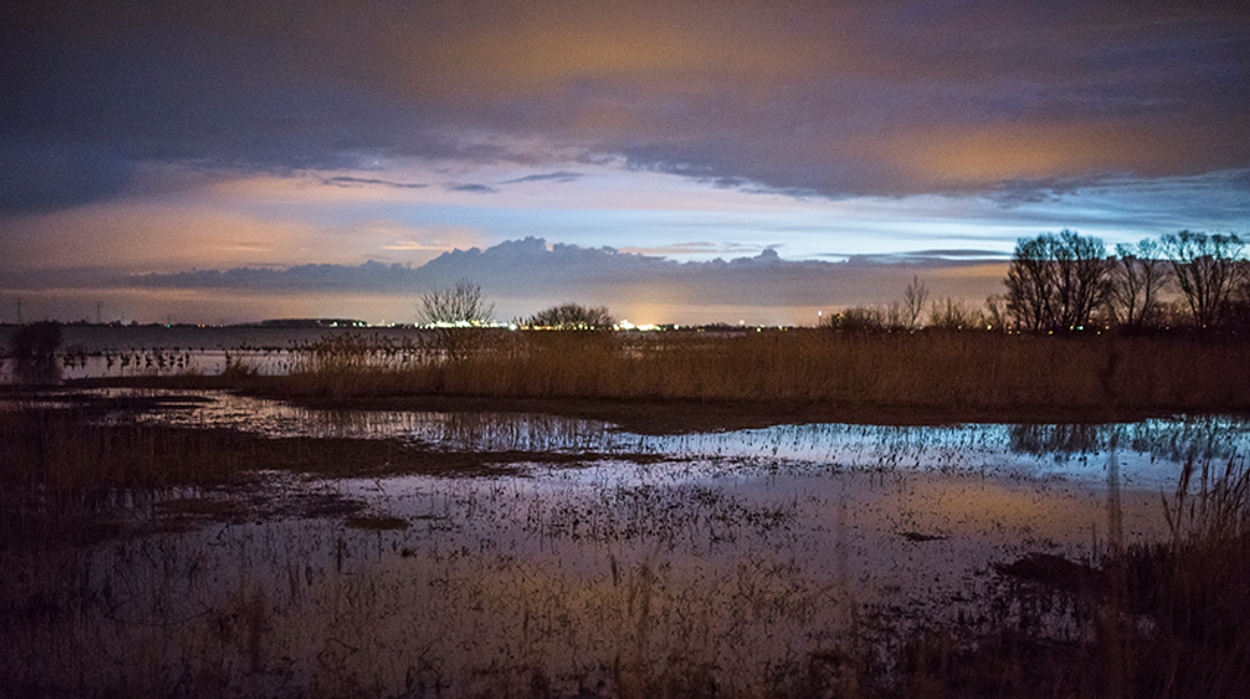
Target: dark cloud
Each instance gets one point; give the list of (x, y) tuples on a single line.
[(557, 177), (825, 98), (43, 175), (473, 188), (344, 181)]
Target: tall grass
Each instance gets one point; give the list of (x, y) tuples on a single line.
[(1195, 587), (930, 370)]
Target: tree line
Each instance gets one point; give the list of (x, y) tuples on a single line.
[(1055, 282), (1067, 281), (464, 305)]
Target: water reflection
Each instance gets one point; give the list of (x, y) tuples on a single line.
[(735, 551), (1150, 451), (1177, 439)]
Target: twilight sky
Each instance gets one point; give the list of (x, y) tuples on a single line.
[(243, 159)]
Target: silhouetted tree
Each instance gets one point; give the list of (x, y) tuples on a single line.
[(1239, 306), (1137, 278), (462, 304), (952, 314), (1084, 277), (1057, 281), (1207, 271), (33, 349), (996, 315), (857, 319), (1030, 284), (914, 298), (572, 316), (894, 316)]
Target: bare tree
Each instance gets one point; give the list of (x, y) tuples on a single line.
[(914, 298), (1207, 271), (1057, 281), (893, 317), (572, 316), (1031, 283), (1239, 305), (952, 314), (1084, 277), (1138, 276), (462, 304), (996, 316), (33, 348)]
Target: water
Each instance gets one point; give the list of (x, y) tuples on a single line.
[(104, 351), (734, 551), (1150, 452)]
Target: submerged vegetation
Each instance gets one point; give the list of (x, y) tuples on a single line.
[(148, 559)]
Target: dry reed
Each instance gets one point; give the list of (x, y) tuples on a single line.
[(980, 373)]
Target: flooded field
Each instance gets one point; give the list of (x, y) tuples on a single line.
[(104, 351), (588, 561)]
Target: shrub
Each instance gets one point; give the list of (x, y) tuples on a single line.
[(33, 349)]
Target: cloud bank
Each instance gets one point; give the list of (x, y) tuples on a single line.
[(814, 98), (532, 269)]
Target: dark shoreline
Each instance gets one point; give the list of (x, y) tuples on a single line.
[(650, 416)]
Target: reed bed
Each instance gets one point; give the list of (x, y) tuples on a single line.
[(936, 371)]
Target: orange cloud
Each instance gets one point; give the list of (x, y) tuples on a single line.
[(145, 237), (978, 155), (547, 46)]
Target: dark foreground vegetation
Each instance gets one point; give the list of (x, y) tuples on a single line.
[(1164, 619)]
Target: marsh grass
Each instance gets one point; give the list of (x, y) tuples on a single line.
[(66, 469), (969, 374), (1158, 619), (1195, 588), (1170, 617)]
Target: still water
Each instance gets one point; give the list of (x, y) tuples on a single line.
[(1149, 453), (734, 551), (104, 351)]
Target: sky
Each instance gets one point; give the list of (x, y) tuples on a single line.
[(750, 161)]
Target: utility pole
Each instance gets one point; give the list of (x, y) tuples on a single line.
[(98, 305)]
